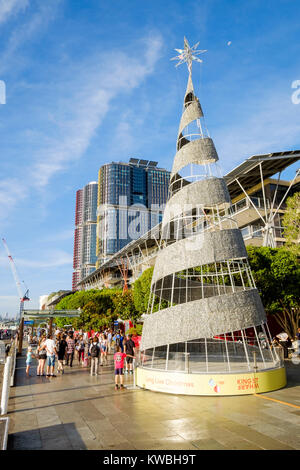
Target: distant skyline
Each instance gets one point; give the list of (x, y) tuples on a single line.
[(87, 83)]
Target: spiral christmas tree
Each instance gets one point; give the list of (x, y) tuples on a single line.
[(205, 313)]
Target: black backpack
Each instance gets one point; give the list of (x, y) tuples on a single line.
[(94, 350)]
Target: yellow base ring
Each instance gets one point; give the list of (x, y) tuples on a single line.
[(211, 384)]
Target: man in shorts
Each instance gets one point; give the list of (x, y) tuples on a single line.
[(119, 357), (130, 351)]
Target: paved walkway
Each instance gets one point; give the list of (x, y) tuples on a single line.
[(77, 411)]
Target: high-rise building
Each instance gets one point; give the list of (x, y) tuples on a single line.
[(84, 258), (131, 200)]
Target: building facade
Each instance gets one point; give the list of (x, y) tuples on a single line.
[(84, 256), (131, 200)]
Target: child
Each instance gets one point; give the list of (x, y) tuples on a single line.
[(119, 365), (29, 359)]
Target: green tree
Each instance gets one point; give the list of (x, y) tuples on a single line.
[(141, 293), (124, 306), (276, 272), (291, 223), (96, 305)]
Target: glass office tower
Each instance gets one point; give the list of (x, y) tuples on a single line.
[(131, 200), (84, 259)]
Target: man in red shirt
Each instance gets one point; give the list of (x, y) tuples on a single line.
[(119, 358)]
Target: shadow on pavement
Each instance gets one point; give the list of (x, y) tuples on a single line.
[(58, 437)]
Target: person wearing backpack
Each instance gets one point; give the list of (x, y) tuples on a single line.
[(94, 352)]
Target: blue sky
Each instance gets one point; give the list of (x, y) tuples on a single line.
[(89, 82)]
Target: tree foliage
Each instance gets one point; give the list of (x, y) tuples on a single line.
[(276, 272), (291, 223), (124, 307), (141, 293), (97, 308)]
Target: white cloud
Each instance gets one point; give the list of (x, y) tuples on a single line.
[(81, 102), (12, 191), (9, 7), (60, 236), (55, 258), (84, 110), (23, 33)]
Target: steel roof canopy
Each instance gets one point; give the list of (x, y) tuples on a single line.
[(248, 172)]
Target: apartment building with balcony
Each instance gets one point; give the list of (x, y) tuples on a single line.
[(84, 256), (131, 200)]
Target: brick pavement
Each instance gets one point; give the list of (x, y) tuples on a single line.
[(77, 411)]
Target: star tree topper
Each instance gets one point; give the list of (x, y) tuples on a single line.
[(188, 54)]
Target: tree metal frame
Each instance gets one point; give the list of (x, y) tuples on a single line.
[(207, 300)]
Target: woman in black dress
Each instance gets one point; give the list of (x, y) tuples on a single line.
[(61, 352)]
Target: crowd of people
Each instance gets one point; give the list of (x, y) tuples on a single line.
[(89, 349)]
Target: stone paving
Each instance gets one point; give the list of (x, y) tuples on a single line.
[(78, 411)]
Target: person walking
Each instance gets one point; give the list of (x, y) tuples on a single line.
[(51, 351), (94, 352), (103, 349), (41, 356), (61, 353), (80, 350), (130, 351), (109, 341), (29, 357), (70, 348), (284, 343)]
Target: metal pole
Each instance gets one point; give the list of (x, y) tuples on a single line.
[(268, 345), (50, 325), (6, 386), (246, 351), (227, 355), (206, 361), (21, 332), (254, 362), (259, 345), (187, 363), (291, 184), (250, 200), (152, 357), (167, 358), (263, 189)]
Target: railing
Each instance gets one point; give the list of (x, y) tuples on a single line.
[(252, 231), (243, 204), (213, 356)]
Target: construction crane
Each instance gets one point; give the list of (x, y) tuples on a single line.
[(23, 297)]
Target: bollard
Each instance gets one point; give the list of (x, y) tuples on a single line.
[(133, 387), (6, 386)]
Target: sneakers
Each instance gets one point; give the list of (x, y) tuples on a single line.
[(126, 371), (122, 387), (116, 387)]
